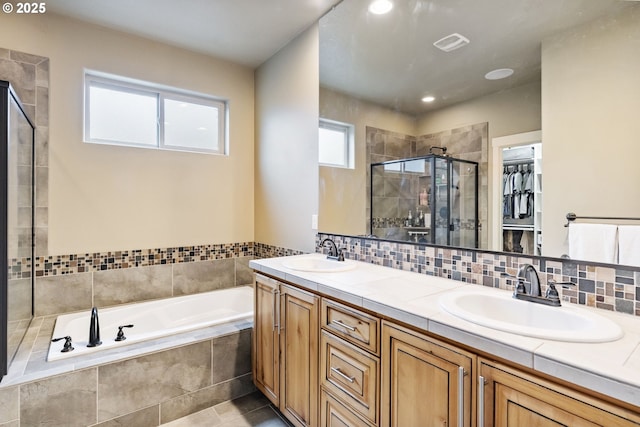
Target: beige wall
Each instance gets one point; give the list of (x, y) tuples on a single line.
[(343, 198), (286, 168), (591, 131), (508, 112), (112, 198)]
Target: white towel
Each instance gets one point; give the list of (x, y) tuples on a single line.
[(593, 242), (629, 244)]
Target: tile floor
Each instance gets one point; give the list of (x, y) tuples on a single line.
[(252, 410)]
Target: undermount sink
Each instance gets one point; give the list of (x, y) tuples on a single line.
[(318, 264), (501, 312)]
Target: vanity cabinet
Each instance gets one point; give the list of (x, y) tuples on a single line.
[(285, 349), (425, 382), (325, 363), (349, 366), (511, 398)]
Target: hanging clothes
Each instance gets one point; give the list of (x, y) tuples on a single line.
[(518, 191)]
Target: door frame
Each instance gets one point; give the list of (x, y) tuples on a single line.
[(497, 145)]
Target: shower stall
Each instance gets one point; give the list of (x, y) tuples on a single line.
[(17, 191), (431, 199)]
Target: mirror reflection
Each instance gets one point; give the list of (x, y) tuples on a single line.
[(431, 199), (559, 75)]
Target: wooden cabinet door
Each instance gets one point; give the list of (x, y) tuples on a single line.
[(424, 382), (266, 340), (515, 399), (299, 329)]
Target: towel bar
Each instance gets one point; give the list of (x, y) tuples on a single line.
[(572, 217)]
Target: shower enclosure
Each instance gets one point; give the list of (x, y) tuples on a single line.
[(16, 223), (431, 199)]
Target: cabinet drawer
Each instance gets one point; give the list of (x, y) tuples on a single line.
[(333, 413), (354, 326), (351, 374)]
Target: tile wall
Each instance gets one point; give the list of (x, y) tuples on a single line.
[(600, 286), (66, 283), (144, 391)]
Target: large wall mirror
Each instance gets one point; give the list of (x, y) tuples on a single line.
[(574, 88)]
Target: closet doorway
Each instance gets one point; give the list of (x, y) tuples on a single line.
[(517, 193)]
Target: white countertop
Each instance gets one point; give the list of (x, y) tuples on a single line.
[(611, 368)]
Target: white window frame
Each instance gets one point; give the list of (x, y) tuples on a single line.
[(348, 131), (124, 84)]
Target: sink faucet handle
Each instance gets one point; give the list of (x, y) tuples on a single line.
[(563, 284), (552, 291), (519, 287)]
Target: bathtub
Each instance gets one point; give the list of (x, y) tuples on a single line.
[(152, 319)]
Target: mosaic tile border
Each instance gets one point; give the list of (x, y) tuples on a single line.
[(262, 250), (609, 288), (55, 265)]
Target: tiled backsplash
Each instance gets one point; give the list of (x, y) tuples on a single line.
[(602, 286), (128, 273)]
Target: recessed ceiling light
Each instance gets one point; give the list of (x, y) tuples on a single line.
[(380, 7), (498, 74), (428, 99)]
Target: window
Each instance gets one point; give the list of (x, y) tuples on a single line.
[(336, 144), (122, 111)]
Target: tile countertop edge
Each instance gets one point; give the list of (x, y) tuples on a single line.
[(623, 389)]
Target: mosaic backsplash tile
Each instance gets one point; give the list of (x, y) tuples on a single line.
[(90, 262), (610, 288), (604, 287)]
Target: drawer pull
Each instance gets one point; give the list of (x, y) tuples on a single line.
[(481, 384), (344, 325), (343, 375)]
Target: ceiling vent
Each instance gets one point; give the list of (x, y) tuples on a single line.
[(451, 42)]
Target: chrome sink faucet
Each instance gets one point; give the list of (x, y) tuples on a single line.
[(528, 288), (528, 276), (334, 253)]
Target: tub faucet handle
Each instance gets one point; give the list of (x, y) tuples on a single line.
[(67, 343), (120, 336)]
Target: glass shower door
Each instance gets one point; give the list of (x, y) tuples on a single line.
[(464, 201), (441, 194), (16, 224)]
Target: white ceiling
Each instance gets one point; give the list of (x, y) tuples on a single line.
[(243, 31), (388, 59)]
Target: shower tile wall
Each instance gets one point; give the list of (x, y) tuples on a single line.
[(466, 143), (29, 76)]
